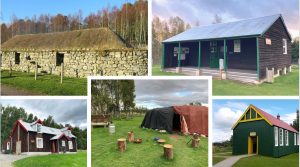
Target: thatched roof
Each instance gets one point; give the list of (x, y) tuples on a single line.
[(97, 38)]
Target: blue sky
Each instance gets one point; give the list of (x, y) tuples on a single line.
[(23, 8), (204, 11), (227, 112)]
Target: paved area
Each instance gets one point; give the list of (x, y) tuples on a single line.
[(6, 160), (228, 162), (12, 91)]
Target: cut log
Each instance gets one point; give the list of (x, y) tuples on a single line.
[(122, 144), (161, 141), (168, 151), (130, 136), (195, 143), (196, 136)]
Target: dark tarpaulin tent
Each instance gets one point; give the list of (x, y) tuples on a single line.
[(186, 119)]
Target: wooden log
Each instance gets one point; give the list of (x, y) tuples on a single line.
[(130, 136), (161, 141), (168, 151), (195, 143), (122, 144), (196, 136)]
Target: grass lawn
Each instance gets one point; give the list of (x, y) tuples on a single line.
[(148, 153), (218, 159), (283, 85), (156, 72), (221, 153), (289, 160), (65, 160), (45, 84)]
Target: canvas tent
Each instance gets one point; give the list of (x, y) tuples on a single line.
[(185, 119)]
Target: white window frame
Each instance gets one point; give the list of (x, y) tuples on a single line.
[(39, 143), (281, 137), (70, 143), (295, 139), (276, 136), (286, 137), (63, 143), (8, 146), (237, 46), (284, 46), (268, 41), (39, 128)]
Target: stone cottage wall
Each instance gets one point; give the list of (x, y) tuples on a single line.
[(81, 63)]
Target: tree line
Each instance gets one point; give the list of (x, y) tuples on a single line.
[(113, 97), (130, 22), (11, 114)]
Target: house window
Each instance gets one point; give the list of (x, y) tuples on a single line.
[(8, 146), (70, 145), (281, 137), (268, 41), (59, 59), (63, 143), (286, 137), (276, 136), (39, 128), (284, 42), (17, 58), (237, 46), (39, 142), (295, 139)]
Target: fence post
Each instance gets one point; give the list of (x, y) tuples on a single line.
[(10, 68), (36, 71), (62, 73)]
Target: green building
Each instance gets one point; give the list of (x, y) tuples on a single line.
[(257, 132)]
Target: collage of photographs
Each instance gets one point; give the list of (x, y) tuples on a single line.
[(149, 83)]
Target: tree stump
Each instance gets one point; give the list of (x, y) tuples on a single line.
[(161, 141), (195, 143), (130, 136), (122, 144), (168, 151)]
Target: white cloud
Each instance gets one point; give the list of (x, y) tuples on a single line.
[(288, 118)]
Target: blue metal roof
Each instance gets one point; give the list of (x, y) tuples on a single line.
[(249, 27)]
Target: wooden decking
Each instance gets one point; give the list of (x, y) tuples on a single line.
[(245, 76)]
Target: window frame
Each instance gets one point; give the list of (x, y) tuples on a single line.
[(284, 45), (70, 143), (17, 57), (276, 136), (38, 128), (60, 58), (237, 46), (41, 141), (295, 139), (63, 143), (8, 146), (286, 138), (281, 137)]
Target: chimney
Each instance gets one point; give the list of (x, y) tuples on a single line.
[(278, 116)]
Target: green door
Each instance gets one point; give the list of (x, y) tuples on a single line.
[(214, 55)]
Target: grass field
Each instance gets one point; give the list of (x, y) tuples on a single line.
[(45, 84), (156, 72), (254, 161), (283, 85), (221, 153), (53, 160), (148, 153)]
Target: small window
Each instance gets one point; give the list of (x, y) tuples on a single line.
[(70, 145), (284, 41), (17, 58), (281, 137), (39, 128), (63, 143), (8, 146), (268, 41), (276, 136), (59, 59), (295, 139), (39, 142), (286, 137), (237, 46)]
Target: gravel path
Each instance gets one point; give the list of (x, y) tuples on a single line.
[(7, 159), (228, 162), (12, 91)]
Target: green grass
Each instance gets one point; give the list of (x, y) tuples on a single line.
[(218, 159), (283, 86), (156, 72), (291, 160), (148, 153), (45, 84), (221, 153), (53, 160)]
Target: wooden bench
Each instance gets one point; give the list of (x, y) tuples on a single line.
[(100, 120)]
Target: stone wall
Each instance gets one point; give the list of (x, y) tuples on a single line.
[(81, 63)]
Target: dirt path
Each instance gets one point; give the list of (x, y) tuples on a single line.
[(228, 162), (7, 159), (12, 91)]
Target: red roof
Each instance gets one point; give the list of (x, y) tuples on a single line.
[(275, 121)]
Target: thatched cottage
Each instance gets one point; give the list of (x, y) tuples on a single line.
[(82, 53)]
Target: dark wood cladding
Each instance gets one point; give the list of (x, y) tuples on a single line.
[(272, 56), (46, 142), (23, 139), (170, 59)]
